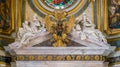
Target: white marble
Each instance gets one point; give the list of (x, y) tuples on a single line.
[(29, 31), (62, 50), (85, 32), (60, 64), (38, 38)]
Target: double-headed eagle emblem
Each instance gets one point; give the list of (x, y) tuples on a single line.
[(59, 25)]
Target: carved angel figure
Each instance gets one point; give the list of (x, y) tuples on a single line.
[(34, 24), (25, 33), (60, 29), (90, 31)]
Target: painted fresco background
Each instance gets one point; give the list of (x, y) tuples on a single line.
[(114, 14), (4, 14)]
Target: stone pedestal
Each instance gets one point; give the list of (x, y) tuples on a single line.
[(61, 56), (60, 64)]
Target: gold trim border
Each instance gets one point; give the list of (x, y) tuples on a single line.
[(98, 15), (59, 58), (19, 13)]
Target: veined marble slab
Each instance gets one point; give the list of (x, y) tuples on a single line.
[(64, 50), (61, 64)]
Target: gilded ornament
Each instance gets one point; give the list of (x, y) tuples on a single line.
[(103, 58), (78, 57), (21, 57), (31, 57), (40, 58), (97, 58), (59, 58), (87, 58), (49, 58), (60, 28), (68, 58)]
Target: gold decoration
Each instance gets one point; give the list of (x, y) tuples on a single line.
[(103, 58), (97, 58), (31, 57), (59, 58), (21, 57), (50, 58), (78, 58), (69, 58), (87, 58), (40, 57), (61, 28)]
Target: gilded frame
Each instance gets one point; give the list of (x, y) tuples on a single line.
[(12, 20), (106, 21), (17, 7)]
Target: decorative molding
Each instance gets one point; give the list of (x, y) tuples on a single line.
[(98, 14), (59, 58)]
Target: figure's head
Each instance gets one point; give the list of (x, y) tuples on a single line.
[(84, 17)]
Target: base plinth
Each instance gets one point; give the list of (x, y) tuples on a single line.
[(61, 56)]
